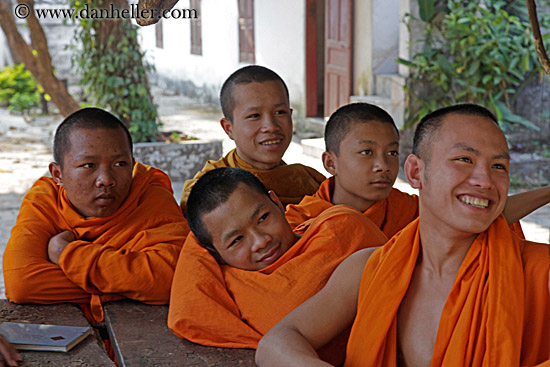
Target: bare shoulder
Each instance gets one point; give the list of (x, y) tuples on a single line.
[(360, 258), (350, 270)]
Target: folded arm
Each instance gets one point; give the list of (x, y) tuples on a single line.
[(140, 269), (28, 274), (295, 339)]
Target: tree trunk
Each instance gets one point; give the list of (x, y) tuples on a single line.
[(39, 63), (539, 42)]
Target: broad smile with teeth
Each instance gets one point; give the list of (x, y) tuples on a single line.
[(476, 202), (271, 142)]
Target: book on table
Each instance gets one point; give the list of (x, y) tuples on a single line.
[(42, 337)]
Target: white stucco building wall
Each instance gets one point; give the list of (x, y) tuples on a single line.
[(279, 33), (280, 44)]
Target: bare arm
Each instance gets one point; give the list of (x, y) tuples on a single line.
[(522, 204), (293, 341)]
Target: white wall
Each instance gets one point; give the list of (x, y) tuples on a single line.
[(363, 75), (280, 45), (386, 25), (5, 56), (219, 56), (279, 28)]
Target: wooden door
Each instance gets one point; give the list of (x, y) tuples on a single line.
[(338, 43)]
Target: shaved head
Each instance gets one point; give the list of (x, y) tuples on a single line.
[(344, 118), (431, 123)]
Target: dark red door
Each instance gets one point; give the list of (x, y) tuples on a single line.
[(338, 42)]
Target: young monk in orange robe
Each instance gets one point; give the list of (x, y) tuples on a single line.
[(102, 228), (362, 154), (263, 269), (258, 117), (456, 287)]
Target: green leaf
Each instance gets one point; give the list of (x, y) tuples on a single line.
[(427, 10)]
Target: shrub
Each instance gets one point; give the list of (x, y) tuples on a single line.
[(18, 88), (477, 52)]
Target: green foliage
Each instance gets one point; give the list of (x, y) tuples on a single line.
[(114, 73), (18, 88), (477, 52)]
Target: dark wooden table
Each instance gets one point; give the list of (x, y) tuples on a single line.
[(141, 337), (90, 352)]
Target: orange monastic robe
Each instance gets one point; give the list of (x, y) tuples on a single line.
[(291, 182), (497, 313), (219, 305), (390, 215), (131, 254)]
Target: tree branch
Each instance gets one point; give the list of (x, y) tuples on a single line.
[(539, 44), (40, 65), (159, 5)]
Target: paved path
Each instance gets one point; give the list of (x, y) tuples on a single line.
[(25, 152)]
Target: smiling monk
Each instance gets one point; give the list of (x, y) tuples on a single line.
[(102, 228), (455, 288), (258, 117), (362, 154), (249, 269)]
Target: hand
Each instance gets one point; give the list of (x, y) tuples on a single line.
[(57, 244), (11, 357)]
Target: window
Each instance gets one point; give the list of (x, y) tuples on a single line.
[(246, 31), (196, 28)]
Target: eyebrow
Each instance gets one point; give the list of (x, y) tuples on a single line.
[(253, 108), (466, 147), (83, 156), (226, 237), (375, 143)]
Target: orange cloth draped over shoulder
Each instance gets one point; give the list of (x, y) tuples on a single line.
[(219, 305), (130, 254), (390, 215), (291, 182), (497, 312)]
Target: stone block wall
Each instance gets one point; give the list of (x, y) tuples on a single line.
[(179, 160)]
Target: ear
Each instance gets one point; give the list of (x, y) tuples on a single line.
[(227, 126), (55, 171), (329, 162), (273, 196), (414, 167)]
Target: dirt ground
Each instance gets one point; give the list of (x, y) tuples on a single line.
[(25, 152)]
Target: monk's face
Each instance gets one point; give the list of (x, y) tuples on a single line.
[(464, 183), (96, 171), (367, 165), (262, 123), (249, 230)]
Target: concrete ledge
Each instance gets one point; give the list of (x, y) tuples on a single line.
[(179, 160), (313, 147)]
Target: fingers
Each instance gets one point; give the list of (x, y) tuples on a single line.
[(11, 356)]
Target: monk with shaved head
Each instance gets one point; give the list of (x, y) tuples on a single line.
[(456, 287), (258, 118), (102, 227)]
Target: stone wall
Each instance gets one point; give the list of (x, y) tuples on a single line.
[(179, 160)]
